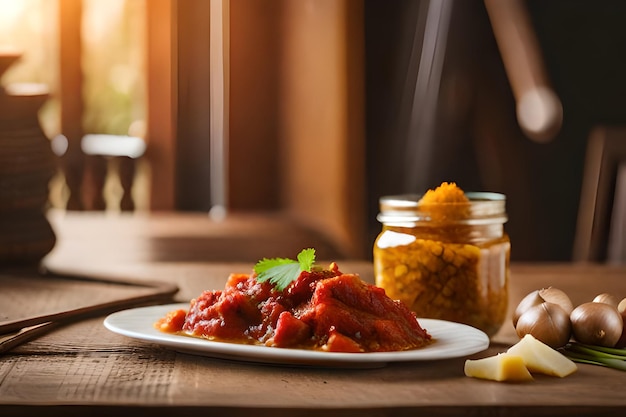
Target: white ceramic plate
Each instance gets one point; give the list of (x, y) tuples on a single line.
[(451, 340)]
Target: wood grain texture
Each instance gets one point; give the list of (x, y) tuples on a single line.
[(84, 369)]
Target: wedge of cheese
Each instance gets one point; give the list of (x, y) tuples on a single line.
[(541, 358), (501, 367)]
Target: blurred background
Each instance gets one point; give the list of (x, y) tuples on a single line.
[(316, 108)]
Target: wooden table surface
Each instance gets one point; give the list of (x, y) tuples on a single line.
[(84, 369)]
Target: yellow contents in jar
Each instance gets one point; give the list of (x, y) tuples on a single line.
[(445, 193), (441, 270)]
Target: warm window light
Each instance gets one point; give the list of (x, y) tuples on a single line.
[(113, 65), (111, 52), (11, 12), (28, 28), (97, 18)]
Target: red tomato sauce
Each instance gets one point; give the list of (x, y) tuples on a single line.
[(322, 310)]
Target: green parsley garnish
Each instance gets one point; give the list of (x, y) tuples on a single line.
[(282, 271)]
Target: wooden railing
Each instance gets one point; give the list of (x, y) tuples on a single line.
[(85, 171)]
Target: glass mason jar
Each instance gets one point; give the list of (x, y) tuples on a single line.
[(446, 261)]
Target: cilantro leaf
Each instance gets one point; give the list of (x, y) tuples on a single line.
[(282, 271), (281, 275), (306, 259)]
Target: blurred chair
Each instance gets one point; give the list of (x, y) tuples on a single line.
[(601, 227)]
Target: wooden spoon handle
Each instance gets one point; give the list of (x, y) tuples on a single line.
[(25, 329), (539, 110)]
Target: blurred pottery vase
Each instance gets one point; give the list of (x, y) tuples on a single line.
[(27, 165)]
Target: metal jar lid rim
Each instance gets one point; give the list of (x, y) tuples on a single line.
[(483, 208)]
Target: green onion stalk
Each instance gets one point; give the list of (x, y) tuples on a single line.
[(596, 355)]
